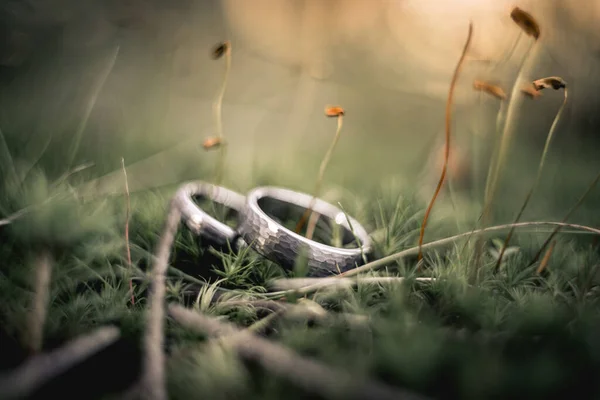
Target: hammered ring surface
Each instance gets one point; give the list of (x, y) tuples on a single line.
[(262, 230)]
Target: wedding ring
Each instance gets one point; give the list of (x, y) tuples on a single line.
[(202, 224), (260, 227)]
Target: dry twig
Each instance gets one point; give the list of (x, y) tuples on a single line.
[(153, 385)]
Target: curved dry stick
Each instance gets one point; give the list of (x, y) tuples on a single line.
[(546, 259), (153, 378), (558, 227), (41, 295), (311, 375), (382, 262), (537, 179), (336, 282), (447, 149), (414, 250), (11, 175), (127, 218), (37, 371)]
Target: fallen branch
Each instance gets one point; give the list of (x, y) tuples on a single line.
[(39, 370), (128, 215), (334, 282), (382, 262), (304, 372), (153, 386), (41, 293)]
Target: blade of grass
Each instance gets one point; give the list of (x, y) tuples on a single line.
[(385, 261), (217, 108), (441, 242), (90, 107)]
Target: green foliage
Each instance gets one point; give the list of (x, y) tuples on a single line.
[(515, 335)]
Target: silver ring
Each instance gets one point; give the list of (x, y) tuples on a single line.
[(199, 221), (283, 246)]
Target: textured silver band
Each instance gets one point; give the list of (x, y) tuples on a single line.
[(283, 246), (199, 221)]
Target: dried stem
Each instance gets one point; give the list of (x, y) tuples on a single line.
[(127, 217), (385, 261), (312, 224), (153, 378), (447, 147), (42, 368), (41, 294), (382, 262), (217, 107), (335, 282)]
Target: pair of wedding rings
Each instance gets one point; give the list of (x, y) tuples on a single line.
[(260, 227)]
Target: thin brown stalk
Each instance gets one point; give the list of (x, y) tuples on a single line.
[(546, 258), (447, 147), (312, 225), (223, 49), (127, 217), (41, 295), (571, 211), (153, 378)]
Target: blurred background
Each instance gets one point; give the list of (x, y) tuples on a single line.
[(136, 80)]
